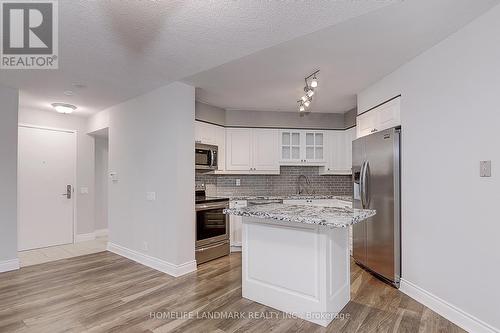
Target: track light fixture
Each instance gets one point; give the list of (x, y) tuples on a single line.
[(309, 90)]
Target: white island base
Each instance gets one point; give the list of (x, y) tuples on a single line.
[(300, 269)]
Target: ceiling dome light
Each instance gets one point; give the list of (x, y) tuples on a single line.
[(307, 103), (64, 108), (314, 82)]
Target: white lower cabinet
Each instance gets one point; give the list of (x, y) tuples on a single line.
[(235, 226), (318, 202), (252, 151)]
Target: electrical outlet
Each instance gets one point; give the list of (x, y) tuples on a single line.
[(151, 196), (145, 246), (238, 182), (485, 168)]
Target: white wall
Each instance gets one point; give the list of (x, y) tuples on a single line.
[(98, 121), (151, 148), (101, 183), (9, 101), (85, 159), (451, 120)]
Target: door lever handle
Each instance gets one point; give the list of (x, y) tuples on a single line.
[(68, 192)]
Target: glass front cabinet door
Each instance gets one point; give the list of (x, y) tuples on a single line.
[(302, 147)]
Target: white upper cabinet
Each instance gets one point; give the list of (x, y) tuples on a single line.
[(382, 117), (339, 153), (220, 141), (252, 150), (265, 150), (302, 147), (238, 149), (314, 146), (366, 123), (291, 146), (212, 135), (205, 133)]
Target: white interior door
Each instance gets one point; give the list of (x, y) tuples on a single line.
[(45, 170)]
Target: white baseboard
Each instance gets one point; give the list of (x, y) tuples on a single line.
[(235, 248), (155, 263), (459, 317), (84, 237), (9, 265), (101, 232)]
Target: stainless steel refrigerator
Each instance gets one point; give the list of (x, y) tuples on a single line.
[(376, 181)]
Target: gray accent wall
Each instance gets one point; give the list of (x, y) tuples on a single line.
[(209, 113), (274, 119), (8, 173), (283, 184), (350, 118)]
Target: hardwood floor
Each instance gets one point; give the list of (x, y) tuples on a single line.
[(104, 292)]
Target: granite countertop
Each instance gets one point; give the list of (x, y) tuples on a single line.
[(335, 217), (290, 197)]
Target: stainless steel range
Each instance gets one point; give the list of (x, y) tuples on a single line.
[(212, 227)]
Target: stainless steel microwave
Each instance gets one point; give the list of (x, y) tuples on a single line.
[(206, 157)]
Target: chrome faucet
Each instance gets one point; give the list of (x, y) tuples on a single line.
[(303, 185)]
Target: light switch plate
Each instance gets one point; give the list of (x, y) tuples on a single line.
[(113, 175), (485, 168), (84, 190)]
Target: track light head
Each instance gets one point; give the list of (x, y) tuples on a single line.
[(314, 82)]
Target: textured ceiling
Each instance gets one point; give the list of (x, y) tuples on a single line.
[(120, 49), (351, 56)]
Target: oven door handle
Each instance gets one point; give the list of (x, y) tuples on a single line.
[(208, 206), (201, 249)]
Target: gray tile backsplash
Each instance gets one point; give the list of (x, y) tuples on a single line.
[(283, 184)]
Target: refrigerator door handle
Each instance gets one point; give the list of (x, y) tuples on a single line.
[(366, 185), (362, 185)]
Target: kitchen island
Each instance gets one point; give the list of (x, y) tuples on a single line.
[(296, 258)]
